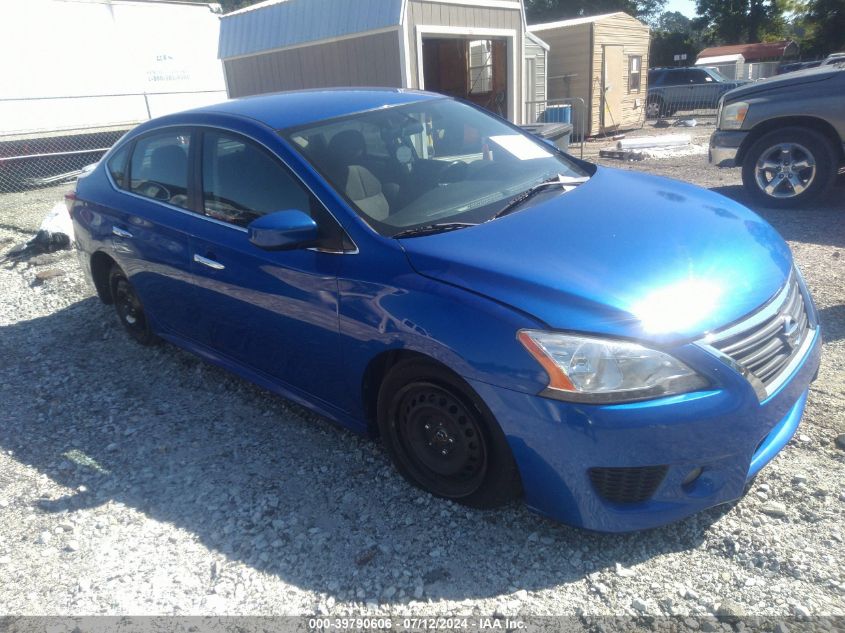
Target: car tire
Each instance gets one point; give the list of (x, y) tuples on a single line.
[(789, 167), (442, 438), (130, 310)]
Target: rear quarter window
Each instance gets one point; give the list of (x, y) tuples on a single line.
[(117, 166)]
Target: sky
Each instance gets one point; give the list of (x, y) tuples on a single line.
[(687, 7)]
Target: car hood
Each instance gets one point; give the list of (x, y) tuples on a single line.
[(624, 254), (796, 78)]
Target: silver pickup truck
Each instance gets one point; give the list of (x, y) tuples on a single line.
[(787, 133)]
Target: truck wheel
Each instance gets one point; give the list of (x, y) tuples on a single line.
[(789, 167)]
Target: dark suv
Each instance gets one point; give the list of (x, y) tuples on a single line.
[(787, 133), (693, 88)]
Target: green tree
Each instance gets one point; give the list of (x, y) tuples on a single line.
[(825, 28), (673, 34), (539, 11), (741, 21), (673, 22)]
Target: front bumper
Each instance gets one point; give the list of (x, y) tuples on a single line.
[(727, 433), (724, 147)]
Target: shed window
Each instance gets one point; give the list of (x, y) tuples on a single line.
[(480, 66), (635, 65)]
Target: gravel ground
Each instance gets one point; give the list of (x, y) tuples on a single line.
[(144, 481)]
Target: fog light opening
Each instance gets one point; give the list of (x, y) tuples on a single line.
[(692, 477)]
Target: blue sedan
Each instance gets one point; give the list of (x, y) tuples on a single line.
[(619, 350)]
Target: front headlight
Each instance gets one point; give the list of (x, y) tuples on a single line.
[(602, 370), (733, 115)]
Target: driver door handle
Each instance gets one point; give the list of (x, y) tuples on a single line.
[(208, 262), (119, 232)]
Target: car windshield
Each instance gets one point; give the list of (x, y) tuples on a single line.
[(431, 162)]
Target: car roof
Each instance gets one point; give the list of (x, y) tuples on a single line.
[(291, 109)]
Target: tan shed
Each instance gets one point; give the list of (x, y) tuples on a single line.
[(602, 60)]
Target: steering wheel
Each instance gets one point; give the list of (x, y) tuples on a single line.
[(452, 172), (153, 189)]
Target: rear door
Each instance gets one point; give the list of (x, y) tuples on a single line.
[(148, 225), (273, 311)]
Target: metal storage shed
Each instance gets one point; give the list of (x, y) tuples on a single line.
[(731, 66), (602, 60), (468, 48), (749, 61)]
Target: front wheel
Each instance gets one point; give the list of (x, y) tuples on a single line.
[(789, 167), (442, 438)]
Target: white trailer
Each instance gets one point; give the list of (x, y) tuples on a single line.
[(76, 74)]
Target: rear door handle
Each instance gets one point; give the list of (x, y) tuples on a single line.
[(119, 232), (208, 262)]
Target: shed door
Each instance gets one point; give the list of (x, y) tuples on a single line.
[(613, 86)]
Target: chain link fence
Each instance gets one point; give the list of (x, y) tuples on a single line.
[(663, 109), (45, 158), (46, 141), (684, 102)]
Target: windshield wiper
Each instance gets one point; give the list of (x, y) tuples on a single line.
[(430, 229), (557, 181)]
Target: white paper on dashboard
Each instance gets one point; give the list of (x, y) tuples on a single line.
[(521, 147)]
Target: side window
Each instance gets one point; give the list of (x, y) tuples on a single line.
[(241, 181), (694, 77), (159, 167), (635, 63), (117, 166), (672, 78)]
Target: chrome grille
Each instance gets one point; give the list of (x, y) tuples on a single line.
[(764, 345)]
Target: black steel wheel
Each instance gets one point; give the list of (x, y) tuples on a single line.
[(441, 440), (130, 310)]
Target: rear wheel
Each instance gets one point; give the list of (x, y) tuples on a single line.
[(129, 309), (442, 438), (789, 167)]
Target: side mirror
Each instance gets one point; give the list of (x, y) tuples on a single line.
[(283, 230)]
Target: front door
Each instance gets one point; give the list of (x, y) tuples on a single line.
[(275, 312), (613, 88)]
